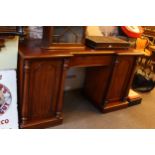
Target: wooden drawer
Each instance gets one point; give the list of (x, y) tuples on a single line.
[(91, 60)]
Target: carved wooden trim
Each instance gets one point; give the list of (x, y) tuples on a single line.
[(25, 92), (61, 94), (115, 62)]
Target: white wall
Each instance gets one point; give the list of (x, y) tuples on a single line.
[(75, 78), (9, 54)]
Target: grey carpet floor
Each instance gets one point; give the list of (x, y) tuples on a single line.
[(79, 113)]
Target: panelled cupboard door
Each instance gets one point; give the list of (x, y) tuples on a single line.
[(43, 87), (121, 78), (96, 83)]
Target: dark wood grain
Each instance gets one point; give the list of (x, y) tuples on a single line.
[(40, 90), (41, 76), (120, 78), (96, 83), (90, 60)]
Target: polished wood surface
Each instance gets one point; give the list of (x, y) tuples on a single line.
[(96, 83), (42, 80), (107, 85), (120, 78), (41, 76), (32, 50), (89, 60)]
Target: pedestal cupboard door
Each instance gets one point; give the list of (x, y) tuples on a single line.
[(121, 78), (43, 86)]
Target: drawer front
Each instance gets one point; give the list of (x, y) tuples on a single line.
[(93, 60)]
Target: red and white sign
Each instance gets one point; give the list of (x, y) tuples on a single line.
[(132, 31), (8, 100)]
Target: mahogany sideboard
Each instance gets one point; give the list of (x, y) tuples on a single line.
[(41, 76)]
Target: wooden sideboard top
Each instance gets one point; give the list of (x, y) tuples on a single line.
[(33, 50)]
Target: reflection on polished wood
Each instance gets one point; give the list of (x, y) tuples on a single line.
[(41, 76)]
